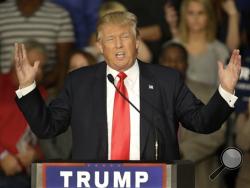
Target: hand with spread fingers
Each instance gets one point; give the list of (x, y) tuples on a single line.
[(26, 71), (229, 75)]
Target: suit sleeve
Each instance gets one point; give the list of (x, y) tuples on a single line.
[(196, 116), (47, 121)]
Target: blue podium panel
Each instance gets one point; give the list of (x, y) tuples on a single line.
[(144, 175)]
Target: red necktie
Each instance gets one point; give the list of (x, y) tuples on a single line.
[(120, 143)]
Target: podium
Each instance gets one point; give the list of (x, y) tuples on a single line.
[(175, 174)]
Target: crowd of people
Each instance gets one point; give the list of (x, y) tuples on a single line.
[(190, 36)]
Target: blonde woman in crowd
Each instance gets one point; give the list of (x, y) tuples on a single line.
[(227, 20), (197, 33)]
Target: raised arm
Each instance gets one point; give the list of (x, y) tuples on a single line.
[(45, 122), (207, 118), (171, 18), (26, 72), (233, 30)]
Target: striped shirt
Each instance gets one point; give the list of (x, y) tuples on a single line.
[(49, 25)]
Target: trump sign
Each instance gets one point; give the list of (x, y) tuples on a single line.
[(103, 175)]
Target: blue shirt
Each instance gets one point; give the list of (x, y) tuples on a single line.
[(84, 14)]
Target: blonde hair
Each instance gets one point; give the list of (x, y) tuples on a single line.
[(211, 20), (119, 18), (111, 6)]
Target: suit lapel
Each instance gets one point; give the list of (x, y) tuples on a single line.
[(99, 102), (147, 93)]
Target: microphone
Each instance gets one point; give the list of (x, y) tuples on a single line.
[(112, 81)]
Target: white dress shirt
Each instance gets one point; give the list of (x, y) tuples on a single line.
[(132, 83)]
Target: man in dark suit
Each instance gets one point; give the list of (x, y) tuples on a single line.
[(89, 101)]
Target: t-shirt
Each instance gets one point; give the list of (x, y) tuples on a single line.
[(49, 25), (203, 68)]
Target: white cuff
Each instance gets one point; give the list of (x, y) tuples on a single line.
[(24, 91), (228, 97), (3, 154)]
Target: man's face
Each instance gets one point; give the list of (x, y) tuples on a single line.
[(119, 45), (172, 57)]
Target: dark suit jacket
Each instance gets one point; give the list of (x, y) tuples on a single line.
[(164, 101)]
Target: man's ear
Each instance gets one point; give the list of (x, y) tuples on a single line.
[(99, 46)]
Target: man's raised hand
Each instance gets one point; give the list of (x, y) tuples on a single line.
[(230, 74), (26, 71)]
